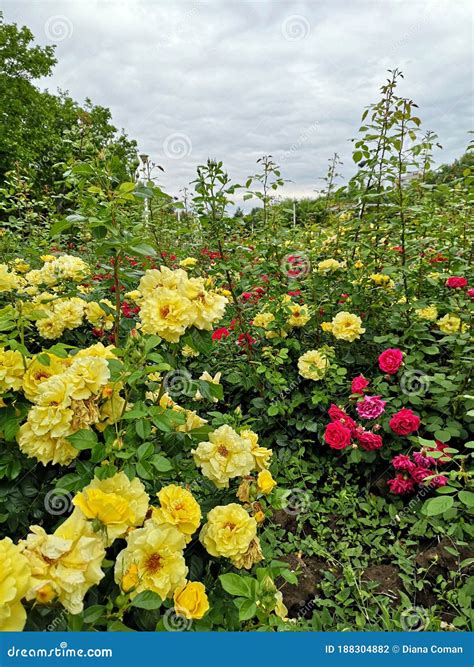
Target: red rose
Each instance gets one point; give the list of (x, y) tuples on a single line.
[(358, 385), (218, 334), (404, 422), (456, 281), (369, 441), (390, 360), (403, 462), (337, 436), (337, 414), (419, 474)]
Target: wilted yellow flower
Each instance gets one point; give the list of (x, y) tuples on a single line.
[(68, 562), (265, 482), (225, 456), (347, 326), (250, 557), (229, 531), (117, 502), (15, 576), (179, 508), (313, 365), (299, 315), (152, 561), (429, 313), (189, 261), (191, 600), (449, 324), (12, 370)]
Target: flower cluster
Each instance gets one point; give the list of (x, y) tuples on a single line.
[(68, 394), (170, 302), (418, 470)]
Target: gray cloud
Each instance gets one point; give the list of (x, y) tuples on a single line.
[(235, 80)]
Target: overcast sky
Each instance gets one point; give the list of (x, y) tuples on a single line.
[(235, 80)]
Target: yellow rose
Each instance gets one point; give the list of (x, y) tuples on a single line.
[(429, 313), (152, 560), (191, 600), (327, 327), (179, 508), (65, 564), (15, 576), (261, 455), (45, 448), (189, 261), (38, 372), (265, 482), (168, 314), (8, 279), (313, 365), (347, 326), (449, 324), (117, 502), (12, 370), (382, 280), (189, 351), (358, 264), (299, 315), (224, 456), (328, 265), (229, 531), (262, 320)]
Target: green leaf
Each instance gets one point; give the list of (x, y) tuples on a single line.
[(236, 585), (247, 610), (147, 600), (83, 439), (92, 614), (467, 497), (161, 463), (438, 505)]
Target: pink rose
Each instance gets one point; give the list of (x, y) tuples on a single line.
[(401, 485), (390, 360), (403, 462), (370, 407), (404, 422), (419, 474)]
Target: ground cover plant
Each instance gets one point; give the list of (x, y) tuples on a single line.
[(213, 420)]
